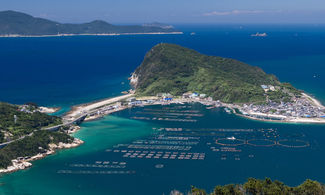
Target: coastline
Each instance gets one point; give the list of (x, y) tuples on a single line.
[(315, 101), (98, 109), (48, 110), (286, 121), (83, 108), (90, 34), (24, 162), (101, 108)]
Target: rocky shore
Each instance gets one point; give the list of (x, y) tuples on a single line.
[(24, 162)]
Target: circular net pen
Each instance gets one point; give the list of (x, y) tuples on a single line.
[(293, 143), (261, 142), (230, 142)]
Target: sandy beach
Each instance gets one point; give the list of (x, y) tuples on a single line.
[(282, 119), (316, 102), (77, 110), (48, 110)]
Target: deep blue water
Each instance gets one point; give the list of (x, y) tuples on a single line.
[(63, 71)]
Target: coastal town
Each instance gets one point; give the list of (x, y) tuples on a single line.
[(304, 109)]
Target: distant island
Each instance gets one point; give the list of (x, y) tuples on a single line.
[(15, 24)]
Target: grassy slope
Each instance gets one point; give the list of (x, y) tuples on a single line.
[(175, 69)]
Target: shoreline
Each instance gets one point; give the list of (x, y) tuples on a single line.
[(315, 101), (24, 163), (292, 121), (49, 110), (90, 34), (98, 109), (87, 107)]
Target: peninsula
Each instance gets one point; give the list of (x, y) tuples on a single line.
[(17, 24), (173, 71), (173, 74)]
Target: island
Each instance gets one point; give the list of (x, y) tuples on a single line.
[(17, 24)]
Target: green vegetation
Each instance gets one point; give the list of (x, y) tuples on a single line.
[(12, 22), (290, 89), (169, 68), (2, 136), (18, 121), (265, 187), (31, 145), (278, 96)]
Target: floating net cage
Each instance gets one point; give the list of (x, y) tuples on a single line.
[(288, 143), (293, 143), (261, 142), (230, 142)]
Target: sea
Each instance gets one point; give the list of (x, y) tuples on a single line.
[(157, 149)]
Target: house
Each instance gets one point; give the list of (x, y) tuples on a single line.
[(194, 95), (187, 95), (131, 99), (203, 95)]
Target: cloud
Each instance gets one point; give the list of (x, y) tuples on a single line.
[(233, 12)]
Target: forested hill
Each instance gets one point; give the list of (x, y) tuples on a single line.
[(267, 186), (169, 68), (17, 23), (17, 121)]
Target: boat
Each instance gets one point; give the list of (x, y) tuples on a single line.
[(259, 35), (231, 138), (228, 110)]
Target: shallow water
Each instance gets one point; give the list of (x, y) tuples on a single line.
[(120, 151)]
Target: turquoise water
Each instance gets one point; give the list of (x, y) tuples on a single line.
[(66, 71), (66, 172), (98, 136)]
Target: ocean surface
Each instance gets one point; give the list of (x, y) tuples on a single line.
[(187, 144)]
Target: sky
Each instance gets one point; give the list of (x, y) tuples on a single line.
[(173, 11)]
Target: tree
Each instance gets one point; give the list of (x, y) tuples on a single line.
[(310, 187)]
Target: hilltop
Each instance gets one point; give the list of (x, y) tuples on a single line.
[(17, 23), (169, 68)]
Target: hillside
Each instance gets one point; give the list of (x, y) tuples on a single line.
[(169, 68), (16, 23), (16, 121)]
